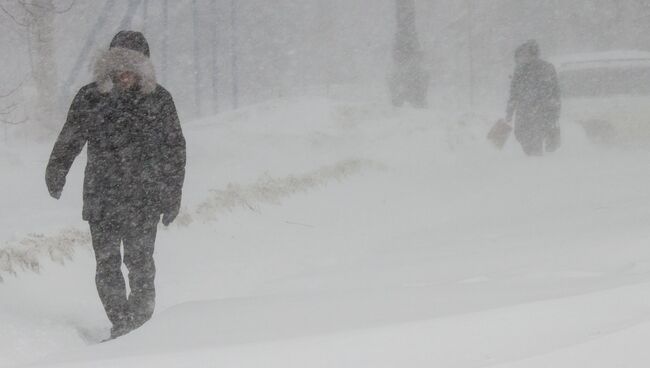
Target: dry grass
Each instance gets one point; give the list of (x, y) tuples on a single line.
[(25, 255)]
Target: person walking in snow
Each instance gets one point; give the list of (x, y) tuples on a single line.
[(134, 174), (535, 99)]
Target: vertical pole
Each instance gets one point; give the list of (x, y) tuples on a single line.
[(215, 57), (165, 42), (44, 74), (197, 58), (470, 49), (409, 80), (145, 16), (104, 14), (130, 12), (326, 13), (233, 54)]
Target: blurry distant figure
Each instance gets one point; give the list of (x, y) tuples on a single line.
[(409, 82), (535, 99), (134, 174)]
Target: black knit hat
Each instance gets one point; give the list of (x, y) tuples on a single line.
[(530, 47), (131, 40)]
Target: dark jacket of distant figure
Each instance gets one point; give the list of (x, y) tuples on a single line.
[(534, 96), (136, 149)]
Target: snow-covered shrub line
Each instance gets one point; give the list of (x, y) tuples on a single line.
[(26, 253), (269, 190)]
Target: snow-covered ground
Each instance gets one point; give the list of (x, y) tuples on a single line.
[(321, 233)]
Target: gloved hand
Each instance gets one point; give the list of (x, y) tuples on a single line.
[(54, 185), (170, 216), (56, 194)]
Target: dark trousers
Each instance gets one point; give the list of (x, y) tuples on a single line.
[(133, 310), (536, 135), (532, 142)]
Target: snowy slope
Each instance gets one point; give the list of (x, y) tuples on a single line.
[(334, 234)]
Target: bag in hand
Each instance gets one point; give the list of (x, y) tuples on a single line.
[(499, 134)]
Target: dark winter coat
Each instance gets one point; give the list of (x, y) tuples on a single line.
[(136, 149), (534, 96)]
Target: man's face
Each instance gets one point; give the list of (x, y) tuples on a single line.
[(523, 58), (126, 80)]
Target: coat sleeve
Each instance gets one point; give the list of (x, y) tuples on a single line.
[(67, 147), (513, 100), (174, 157)]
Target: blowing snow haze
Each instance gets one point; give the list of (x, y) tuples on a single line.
[(382, 183), (292, 48)]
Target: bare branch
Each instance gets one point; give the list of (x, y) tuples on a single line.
[(9, 109), (65, 10), (3, 121), (12, 17), (36, 5), (51, 9), (11, 92), (25, 5), (17, 31)]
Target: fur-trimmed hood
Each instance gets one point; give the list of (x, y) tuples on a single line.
[(118, 59)]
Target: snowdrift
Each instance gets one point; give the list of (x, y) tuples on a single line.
[(328, 233)]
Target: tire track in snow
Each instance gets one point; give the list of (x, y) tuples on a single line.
[(25, 254)]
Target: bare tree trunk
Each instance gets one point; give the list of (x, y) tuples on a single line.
[(197, 58), (127, 21), (409, 82), (470, 53), (165, 42), (233, 53), (145, 16), (628, 26), (44, 69), (215, 57), (88, 46), (325, 44)]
